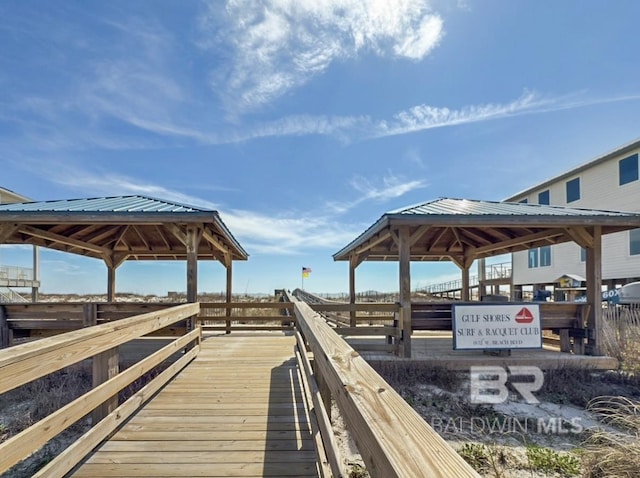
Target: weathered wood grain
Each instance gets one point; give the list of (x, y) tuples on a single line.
[(393, 439)]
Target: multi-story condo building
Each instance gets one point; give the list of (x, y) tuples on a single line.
[(12, 277), (610, 181)]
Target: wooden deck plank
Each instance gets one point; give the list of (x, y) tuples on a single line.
[(237, 410), (188, 456), (207, 445), (212, 470)]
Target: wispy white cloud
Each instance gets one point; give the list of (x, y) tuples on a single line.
[(63, 267), (288, 233), (393, 186), (424, 117), (98, 183), (278, 45), (283, 233)]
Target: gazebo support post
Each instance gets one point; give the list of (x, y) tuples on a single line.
[(464, 293), (194, 233), (594, 293), (111, 283), (112, 261), (404, 248), (464, 263), (228, 264), (353, 263), (482, 277)]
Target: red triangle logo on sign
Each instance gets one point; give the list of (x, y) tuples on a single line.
[(524, 316)]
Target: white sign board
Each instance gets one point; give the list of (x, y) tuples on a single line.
[(492, 326)]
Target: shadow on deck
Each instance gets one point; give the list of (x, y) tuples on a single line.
[(236, 410)]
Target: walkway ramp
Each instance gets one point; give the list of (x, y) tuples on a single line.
[(236, 410)]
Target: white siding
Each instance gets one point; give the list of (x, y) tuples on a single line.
[(599, 189)]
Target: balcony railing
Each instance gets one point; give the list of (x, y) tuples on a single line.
[(16, 273), (492, 272)]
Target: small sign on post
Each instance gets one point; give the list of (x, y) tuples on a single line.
[(496, 327)]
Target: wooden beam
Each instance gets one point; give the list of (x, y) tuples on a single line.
[(518, 241), (417, 234), (214, 241), (194, 234), (7, 230), (405, 289), (594, 293), (394, 236), (229, 267), (580, 236), (163, 237), (105, 366), (374, 241), (177, 232), (477, 236), (57, 238), (100, 233), (141, 237), (464, 293), (121, 232), (439, 236), (353, 259), (457, 236), (111, 283)]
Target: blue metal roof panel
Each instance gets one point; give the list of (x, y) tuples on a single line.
[(475, 210), (103, 205), (467, 207)]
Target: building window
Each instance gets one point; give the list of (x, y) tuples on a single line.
[(573, 190), (540, 257), (524, 201), (545, 256), (634, 242), (583, 254), (543, 197), (628, 169)]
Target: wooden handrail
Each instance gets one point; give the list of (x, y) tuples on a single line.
[(24, 363), (393, 439), (359, 307), (246, 305), (27, 362), (20, 445), (71, 456)]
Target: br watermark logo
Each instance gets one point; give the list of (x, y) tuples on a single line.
[(489, 383)]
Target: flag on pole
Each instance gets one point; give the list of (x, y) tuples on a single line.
[(305, 272)]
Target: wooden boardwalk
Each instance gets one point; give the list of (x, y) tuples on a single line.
[(236, 411)]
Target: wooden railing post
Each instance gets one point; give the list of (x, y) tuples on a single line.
[(105, 366), (4, 329)]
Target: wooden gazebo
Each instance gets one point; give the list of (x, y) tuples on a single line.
[(116, 229), (462, 230)]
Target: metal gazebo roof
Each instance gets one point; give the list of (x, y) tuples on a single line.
[(446, 229), (131, 227)]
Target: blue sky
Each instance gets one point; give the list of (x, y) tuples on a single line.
[(303, 121)]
